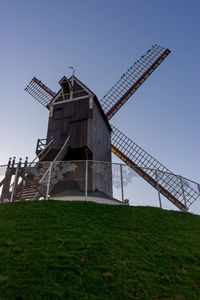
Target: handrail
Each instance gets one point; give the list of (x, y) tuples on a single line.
[(55, 159), (42, 151)]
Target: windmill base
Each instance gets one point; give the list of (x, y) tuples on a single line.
[(89, 198)]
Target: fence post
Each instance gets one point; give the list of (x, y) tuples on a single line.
[(49, 181), (122, 186), (15, 180), (86, 179), (183, 193), (159, 197)]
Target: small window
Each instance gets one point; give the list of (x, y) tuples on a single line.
[(57, 113)]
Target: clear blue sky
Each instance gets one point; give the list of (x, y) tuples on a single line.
[(101, 39)]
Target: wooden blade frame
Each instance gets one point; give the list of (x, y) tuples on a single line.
[(144, 164), (169, 184), (132, 80), (40, 91)]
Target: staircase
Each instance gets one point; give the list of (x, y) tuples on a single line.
[(33, 177), (26, 192)]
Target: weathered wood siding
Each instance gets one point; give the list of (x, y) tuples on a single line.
[(84, 121), (69, 119), (101, 136)]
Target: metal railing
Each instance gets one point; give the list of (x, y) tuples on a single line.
[(89, 180)]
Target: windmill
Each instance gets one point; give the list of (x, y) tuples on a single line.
[(62, 143)]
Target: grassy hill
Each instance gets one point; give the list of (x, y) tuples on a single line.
[(83, 250)]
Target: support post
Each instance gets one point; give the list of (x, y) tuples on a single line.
[(23, 171), (5, 194), (182, 187), (15, 180), (122, 186), (158, 189), (86, 179), (49, 181)]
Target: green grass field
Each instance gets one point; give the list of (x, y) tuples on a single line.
[(83, 250)]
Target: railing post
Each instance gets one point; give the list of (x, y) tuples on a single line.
[(158, 189), (86, 179), (122, 186), (49, 181), (182, 187), (15, 180)]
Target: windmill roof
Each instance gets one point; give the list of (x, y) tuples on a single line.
[(96, 101), (90, 92)]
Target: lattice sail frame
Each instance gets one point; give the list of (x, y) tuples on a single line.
[(132, 80), (171, 186), (39, 91)]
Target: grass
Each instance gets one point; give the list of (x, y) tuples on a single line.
[(82, 250)]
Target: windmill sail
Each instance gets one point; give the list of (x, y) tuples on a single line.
[(132, 80), (39, 91), (178, 192)]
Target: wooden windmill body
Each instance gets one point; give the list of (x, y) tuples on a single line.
[(76, 116), (76, 112)]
